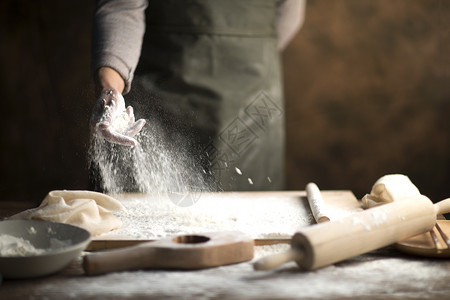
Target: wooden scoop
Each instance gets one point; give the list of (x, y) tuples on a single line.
[(435, 243), (330, 242), (184, 252)]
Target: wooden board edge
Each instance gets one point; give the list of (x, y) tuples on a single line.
[(98, 245)]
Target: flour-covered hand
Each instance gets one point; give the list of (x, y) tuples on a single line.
[(113, 122)]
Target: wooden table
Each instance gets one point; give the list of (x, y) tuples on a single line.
[(381, 274)]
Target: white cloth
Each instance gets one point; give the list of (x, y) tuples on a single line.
[(389, 188), (89, 210)]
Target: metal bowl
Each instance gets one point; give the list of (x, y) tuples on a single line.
[(70, 242)]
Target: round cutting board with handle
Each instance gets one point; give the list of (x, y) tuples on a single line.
[(435, 243), (185, 252)]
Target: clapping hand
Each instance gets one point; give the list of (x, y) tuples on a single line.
[(113, 122)]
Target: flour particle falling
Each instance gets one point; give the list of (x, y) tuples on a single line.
[(238, 170), (153, 166)]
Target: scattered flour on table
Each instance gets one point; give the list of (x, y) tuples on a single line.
[(364, 277), (148, 216)]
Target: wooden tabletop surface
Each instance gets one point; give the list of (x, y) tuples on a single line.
[(382, 274)]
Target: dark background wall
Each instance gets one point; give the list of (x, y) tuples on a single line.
[(367, 93), (368, 90)]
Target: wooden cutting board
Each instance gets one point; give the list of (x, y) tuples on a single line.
[(268, 217)]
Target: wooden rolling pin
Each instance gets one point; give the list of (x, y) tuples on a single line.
[(183, 252), (316, 203), (330, 242)]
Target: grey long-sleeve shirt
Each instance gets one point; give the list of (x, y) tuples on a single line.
[(119, 27)]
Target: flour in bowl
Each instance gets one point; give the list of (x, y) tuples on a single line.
[(16, 246)]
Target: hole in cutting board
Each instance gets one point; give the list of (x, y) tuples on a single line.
[(191, 239)]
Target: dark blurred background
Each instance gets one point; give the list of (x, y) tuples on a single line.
[(367, 93)]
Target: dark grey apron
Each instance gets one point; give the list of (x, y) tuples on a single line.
[(209, 74)]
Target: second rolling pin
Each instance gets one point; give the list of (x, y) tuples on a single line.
[(316, 203)]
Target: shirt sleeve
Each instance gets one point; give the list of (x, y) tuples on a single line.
[(290, 18), (118, 30)]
